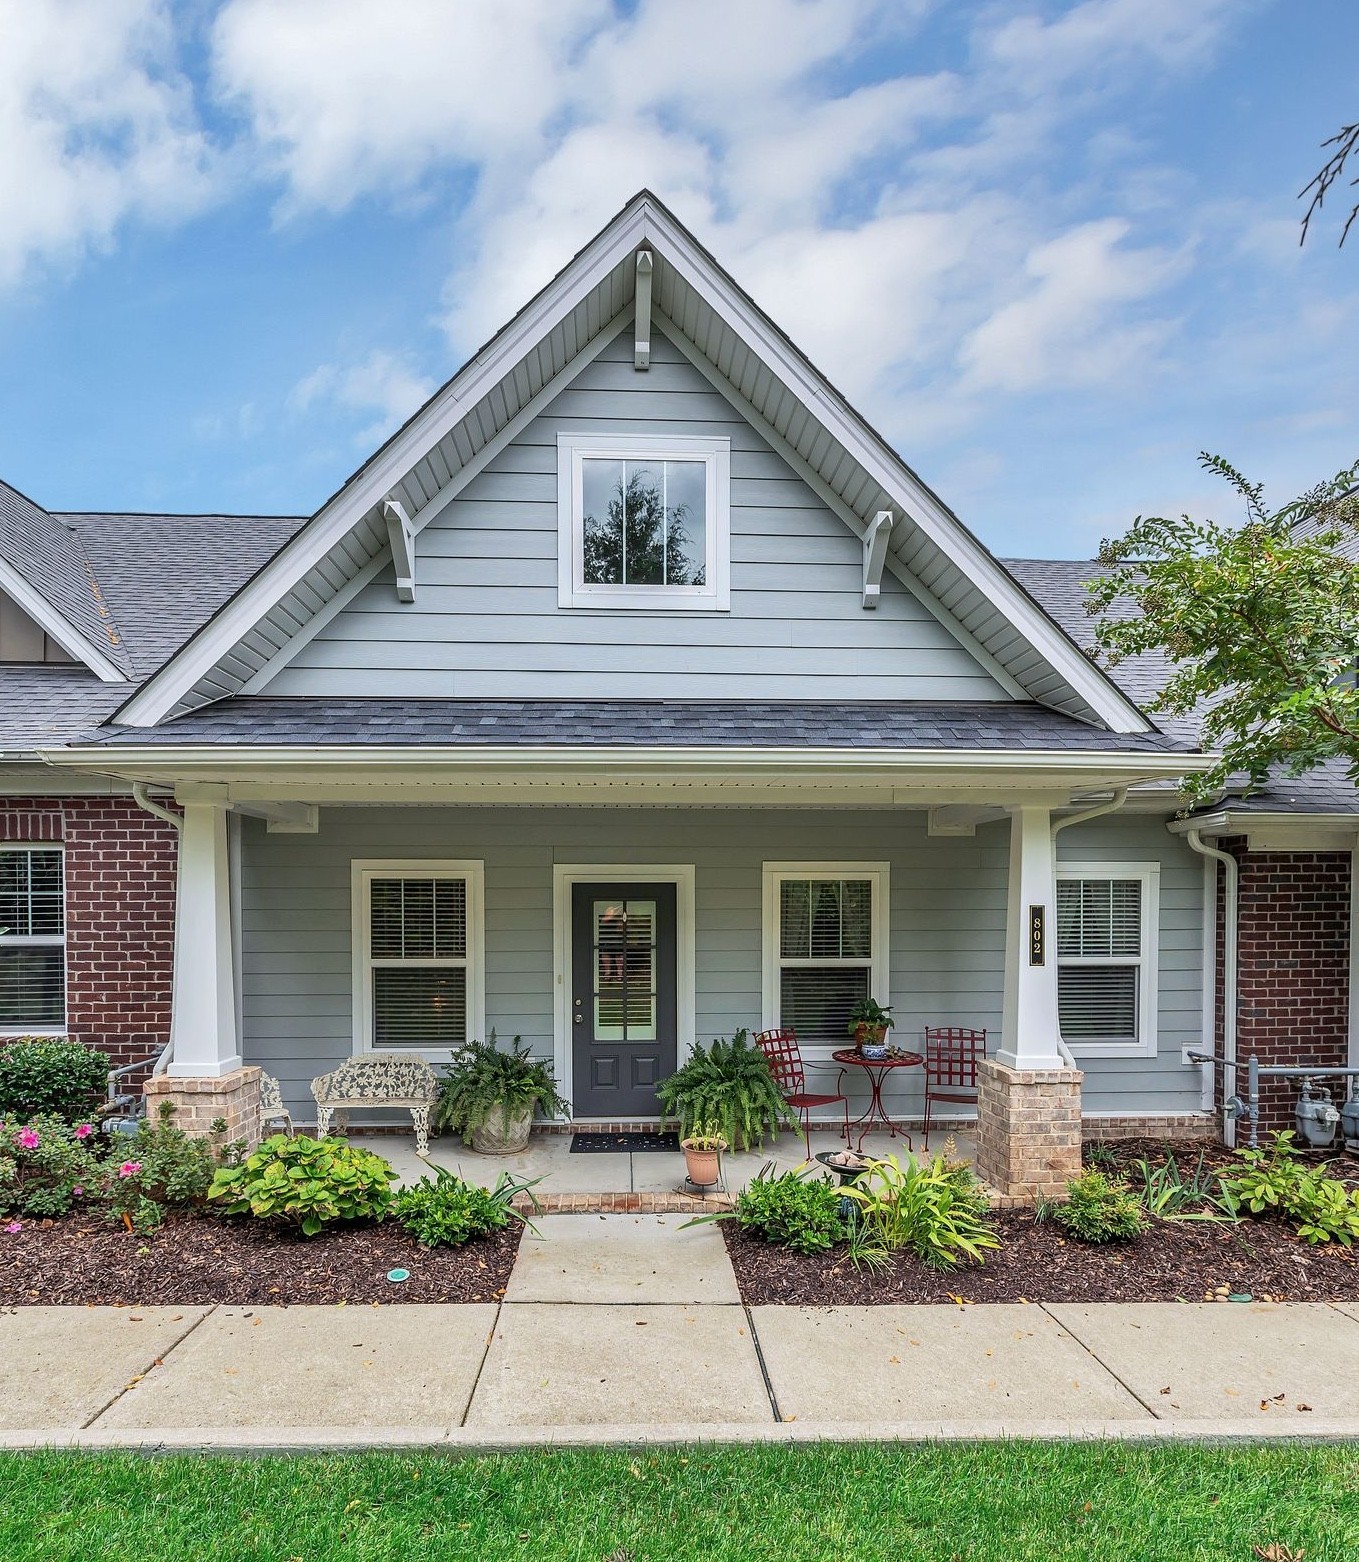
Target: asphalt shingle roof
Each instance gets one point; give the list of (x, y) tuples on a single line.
[(254, 720)]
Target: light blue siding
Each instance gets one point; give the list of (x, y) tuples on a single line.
[(947, 923), (486, 624)]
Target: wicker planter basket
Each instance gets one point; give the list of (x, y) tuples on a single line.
[(502, 1134)]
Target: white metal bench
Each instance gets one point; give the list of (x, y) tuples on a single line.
[(377, 1079)]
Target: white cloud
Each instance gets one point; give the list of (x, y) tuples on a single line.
[(384, 383), (97, 124)]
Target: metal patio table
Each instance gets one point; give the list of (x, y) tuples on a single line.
[(877, 1070)]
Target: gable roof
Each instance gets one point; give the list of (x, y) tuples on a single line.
[(744, 355), (45, 569), (162, 577)]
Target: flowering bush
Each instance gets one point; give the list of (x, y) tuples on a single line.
[(165, 1168), (46, 1166)]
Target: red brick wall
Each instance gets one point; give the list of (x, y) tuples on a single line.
[(120, 915), (1294, 933)]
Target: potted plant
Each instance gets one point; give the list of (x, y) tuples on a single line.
[(703, 1149), (727, 1087), (869, 1023), (490, 1095)]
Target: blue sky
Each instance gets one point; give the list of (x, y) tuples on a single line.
[(1049, 248)]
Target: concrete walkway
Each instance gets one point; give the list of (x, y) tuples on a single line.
[(627, 1328)]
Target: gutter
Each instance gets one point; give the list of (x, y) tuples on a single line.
[(1230, 995), (159, 811)]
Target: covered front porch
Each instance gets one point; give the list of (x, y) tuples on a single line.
[(780, 886)]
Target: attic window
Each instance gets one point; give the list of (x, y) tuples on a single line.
[(643, 522)]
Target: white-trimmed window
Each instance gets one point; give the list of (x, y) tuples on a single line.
[(825, 946), (419, 966), (32, 940), (643, 522), (1106, 945)]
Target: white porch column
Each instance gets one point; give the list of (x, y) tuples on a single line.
[(205, 1043), (1029, 1029)]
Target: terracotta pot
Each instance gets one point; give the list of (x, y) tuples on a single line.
[(704, 1167), (503, 1133), (864, 1032)]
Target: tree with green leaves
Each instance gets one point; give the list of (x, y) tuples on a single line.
[(1260, 622), (638, 542)]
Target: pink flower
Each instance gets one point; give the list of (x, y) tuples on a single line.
[(28, 1138), (15, 1227), (77, 1193), (84, 1131), (129, 1168)]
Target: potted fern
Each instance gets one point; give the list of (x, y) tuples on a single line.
[(490, 1095), (726, 1087)]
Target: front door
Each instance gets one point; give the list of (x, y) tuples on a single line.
[(623, 1019)]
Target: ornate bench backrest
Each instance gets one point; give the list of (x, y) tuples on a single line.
[(375, 1076)]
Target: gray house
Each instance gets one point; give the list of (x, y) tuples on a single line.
[(636, 691)]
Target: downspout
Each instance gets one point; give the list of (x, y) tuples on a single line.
[(159, 811), (1229, 969), (1111, 807)]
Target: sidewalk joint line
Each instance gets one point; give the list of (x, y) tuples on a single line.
[(481, 1365), (1099, 1360), (760, 1361), (162, 1358)]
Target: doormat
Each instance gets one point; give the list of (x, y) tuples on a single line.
[(624, 1143)]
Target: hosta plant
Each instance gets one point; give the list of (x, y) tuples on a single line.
[(306, 1184), (728, 1088)]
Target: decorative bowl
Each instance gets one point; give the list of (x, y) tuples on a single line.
[(875, 1052)]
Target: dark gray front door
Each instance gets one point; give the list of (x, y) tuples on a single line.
[(623, 1022)]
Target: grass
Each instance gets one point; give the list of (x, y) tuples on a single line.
[(938, 1502)]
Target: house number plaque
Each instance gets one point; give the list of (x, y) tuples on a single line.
[(1037, 939)]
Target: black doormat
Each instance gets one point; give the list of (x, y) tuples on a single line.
[(629, 1143)]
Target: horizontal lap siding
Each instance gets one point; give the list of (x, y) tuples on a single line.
[(486, 624), (947, 924)]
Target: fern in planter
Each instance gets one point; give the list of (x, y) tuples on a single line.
[(728, 1086), (484, 1079)]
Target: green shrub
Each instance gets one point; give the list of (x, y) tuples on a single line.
[(47, 1166), (727, 1086), (161, 1167), (936, 1208), (483, 1078), (1275, 1182), (1099, 1209), (793, 1210), (445, 1211), (51, 1077), (306, 1184)]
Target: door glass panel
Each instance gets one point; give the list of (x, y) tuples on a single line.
[(624, 936)]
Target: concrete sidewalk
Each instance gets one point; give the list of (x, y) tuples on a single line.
[(626, 1328)]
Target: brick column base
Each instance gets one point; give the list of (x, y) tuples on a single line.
[(199, 1103), (1028, 1129)]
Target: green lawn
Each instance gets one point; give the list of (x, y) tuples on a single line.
[(970, 1502)]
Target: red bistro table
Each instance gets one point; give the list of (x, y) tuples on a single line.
[(877, 1070)]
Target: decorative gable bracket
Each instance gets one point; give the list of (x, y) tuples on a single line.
[(641, 349), (875, 555), (402, 538)]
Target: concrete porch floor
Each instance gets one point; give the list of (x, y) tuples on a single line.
[(549, 1156)]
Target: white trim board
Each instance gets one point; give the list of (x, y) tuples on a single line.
[(1148, 987), (564, 876), (67, 636)]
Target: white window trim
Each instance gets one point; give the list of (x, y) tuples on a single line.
[(364, 870), (44, 941), (1148, 987), (572, 592), (564, 876), (879, 980)]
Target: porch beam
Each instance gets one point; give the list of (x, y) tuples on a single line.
[(961, 818), (876, 538), (1029, 1026), (283, 818), (401, 537), (641, 348), (204, 1040)]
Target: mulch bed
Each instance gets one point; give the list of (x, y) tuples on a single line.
[(1187, 1261), (81, 1260)]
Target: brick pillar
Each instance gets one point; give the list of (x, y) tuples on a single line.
[(198, 1103), (1028, 1129)]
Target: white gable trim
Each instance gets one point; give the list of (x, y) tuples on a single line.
[(643, 221), (41, 611)]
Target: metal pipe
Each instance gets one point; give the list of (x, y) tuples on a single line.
[(142, 800), (1229, 959)]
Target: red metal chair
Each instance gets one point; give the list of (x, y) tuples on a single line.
[(785, 1064), (951, 1057)]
